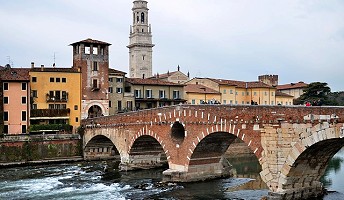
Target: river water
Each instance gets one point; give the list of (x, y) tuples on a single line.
[(88, 180)]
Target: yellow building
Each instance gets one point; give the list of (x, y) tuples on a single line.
[(199, 94), (284, 99), (239, 92), (56, 97)]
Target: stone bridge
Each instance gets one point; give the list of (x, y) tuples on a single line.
[(292, 143)]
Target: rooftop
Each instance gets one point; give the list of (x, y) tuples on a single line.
[(14, 74), (140, 81), (281, 94), (241, 84), (115, 71), (197, 88), (292, 86), (91, 41)]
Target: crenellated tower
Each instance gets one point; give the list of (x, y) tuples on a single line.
[(140, 42)]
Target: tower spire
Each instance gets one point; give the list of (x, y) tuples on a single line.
[(140, 42)]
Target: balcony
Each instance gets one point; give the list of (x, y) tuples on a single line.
[(50, 114), (57, 99)]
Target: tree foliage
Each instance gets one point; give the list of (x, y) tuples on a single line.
[(315, 92)]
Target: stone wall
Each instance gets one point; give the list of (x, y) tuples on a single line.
[(26, 148)]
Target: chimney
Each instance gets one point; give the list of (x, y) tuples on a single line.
[(42, 67), (32, 65)]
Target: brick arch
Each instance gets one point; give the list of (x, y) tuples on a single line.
[(244, 136), (147, 132), (312, 152)]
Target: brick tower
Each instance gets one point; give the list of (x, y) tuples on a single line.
[(140, 44), (92, 58)]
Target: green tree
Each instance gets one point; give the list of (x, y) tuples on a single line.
[(315, 92)]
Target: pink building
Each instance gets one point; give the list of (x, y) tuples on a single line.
[(16, 100)]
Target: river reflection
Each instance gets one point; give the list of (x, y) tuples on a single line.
[(333, 178)]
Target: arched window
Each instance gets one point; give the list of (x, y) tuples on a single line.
[(142, 17), (137, 19)]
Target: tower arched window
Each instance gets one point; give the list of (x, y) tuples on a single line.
[(137, 19), (142, 17)]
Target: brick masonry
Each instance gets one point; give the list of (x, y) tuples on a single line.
[(284, 139)]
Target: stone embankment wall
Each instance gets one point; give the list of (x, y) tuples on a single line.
[(23, 149)]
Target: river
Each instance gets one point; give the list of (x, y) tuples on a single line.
[(87, 180)]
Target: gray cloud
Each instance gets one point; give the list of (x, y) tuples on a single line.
[(298, 40)]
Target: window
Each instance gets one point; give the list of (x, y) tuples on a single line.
[(143, 57), (34, 93), (57, 95), (95, 83), (51, 106), (224, 101), (5, 129), (272, 93), (137, 93), (110, 104), (265, 93), (63, 106), (236, 93), (224, 91), (5, 100), (193, 101), (110, 79), (64, 80), (243, 102), (23, 116), (87, 50), (272, 102), (51, 79), (95, 66), (119, 105), (110, 90), (243, 93), (247, 93), (101, 51), (176, 94), (64, 95), (149, 93), (58, 80), (162, 94), (236, 102), (6, 116), (75, 107), (51, 95), (231, 91), (5, 86), (95, 50), (34, 79), (76, 119), (231, 101), (119, 90), (23, 128), (23, 85), (34, 106), (265, 102), (255, 93), (57, 106), (119, 80), (23, 100), (142, 17)]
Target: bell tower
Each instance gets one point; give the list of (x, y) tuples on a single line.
[(140, 42)]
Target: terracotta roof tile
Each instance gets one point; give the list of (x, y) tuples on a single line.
[(91, 41), (115, 71), (281, 94), (15, 74), (54, 69), (241, 84), (292, 86), (140, 81), (197, 88)]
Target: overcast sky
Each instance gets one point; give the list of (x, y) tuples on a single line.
[(299, 40)]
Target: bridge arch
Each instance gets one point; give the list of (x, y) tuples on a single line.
[(100, 147), (146, 151), (307, 162)]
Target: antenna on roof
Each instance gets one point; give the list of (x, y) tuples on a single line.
[(54, 59)]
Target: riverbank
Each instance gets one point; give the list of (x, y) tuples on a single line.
[(42, 162)]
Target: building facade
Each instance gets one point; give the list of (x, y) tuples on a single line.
[(15, 101), (119, 99), (293, 89), (56, 97), (174, 76), (199, 94), (239, 92), (152, 93), (140, 42), (92, 58)]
